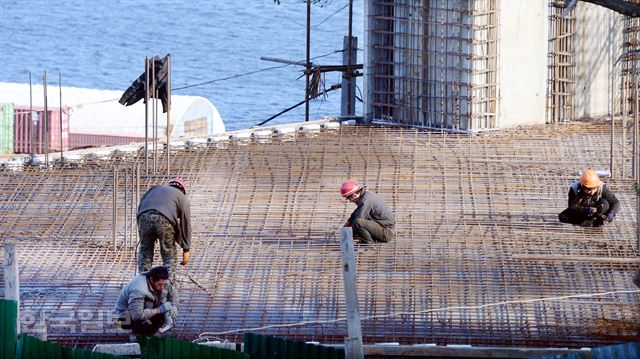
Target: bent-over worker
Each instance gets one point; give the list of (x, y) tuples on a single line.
[(164, 215)]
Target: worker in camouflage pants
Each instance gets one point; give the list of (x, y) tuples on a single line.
[(163, 216)]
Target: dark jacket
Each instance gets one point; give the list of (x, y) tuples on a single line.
[(580, 201), (172, 204), (371, 206)]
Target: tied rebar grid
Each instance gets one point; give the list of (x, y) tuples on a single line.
[(476, 224), (434, 64), (561, 75)]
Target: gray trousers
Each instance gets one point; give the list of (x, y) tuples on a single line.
[(370, 231), (152, 227)]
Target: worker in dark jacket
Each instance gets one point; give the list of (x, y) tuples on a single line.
[(148, 304), (590, 202), (373, 220), (164, 215)]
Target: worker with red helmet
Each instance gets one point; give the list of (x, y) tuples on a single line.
[(591, 202), (373, 220), (164, 216)]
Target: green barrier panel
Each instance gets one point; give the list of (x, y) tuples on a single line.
[(161, 348), (29, 347), (270, 347), (32, 348), (8, 326)]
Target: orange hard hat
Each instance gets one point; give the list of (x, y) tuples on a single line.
[(589, 179), (349, 187), (179, 183)]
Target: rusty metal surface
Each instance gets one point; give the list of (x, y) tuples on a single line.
[(478, 244)]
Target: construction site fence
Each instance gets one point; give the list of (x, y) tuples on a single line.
[(270, 347), (169, 348)]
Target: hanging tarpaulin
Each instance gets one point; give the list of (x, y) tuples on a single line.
[(160, 72)]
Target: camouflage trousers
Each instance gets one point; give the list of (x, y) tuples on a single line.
[(154, 226)]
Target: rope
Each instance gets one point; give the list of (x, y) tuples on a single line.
[(590, 295)]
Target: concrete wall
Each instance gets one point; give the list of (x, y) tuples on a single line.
[(598, 45), (523, 62)]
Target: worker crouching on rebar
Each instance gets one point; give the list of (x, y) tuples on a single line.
[(373, 220), (164, 215), (148, 304), (590, 202)]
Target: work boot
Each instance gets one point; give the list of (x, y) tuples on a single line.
[(168, 324)]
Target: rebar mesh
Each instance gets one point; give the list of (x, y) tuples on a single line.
[(477, 225)]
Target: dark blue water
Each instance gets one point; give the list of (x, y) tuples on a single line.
[(102, 45)]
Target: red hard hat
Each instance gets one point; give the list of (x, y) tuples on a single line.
[(349, 187), (179, 182)]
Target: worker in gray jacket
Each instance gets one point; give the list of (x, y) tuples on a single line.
[(148, 304), (164, 216), (373, 220)]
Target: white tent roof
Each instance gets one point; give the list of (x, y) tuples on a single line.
[(99, 112)]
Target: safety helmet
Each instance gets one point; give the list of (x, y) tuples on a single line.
[(179, 183), (349, 187), (589, 179)]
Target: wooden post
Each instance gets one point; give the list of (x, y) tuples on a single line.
[(352, 344), (11, 278)]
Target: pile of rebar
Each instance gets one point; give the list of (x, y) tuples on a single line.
[(480, 257)]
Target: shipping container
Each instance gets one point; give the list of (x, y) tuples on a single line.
[(6, 128), (84, 140), (43, 132)]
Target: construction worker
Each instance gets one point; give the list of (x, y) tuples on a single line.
[(372, 221), (164, 215), (590, 202), (148, 304)]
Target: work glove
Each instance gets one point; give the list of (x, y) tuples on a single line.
[(610, 217), (592, 210), (165, 307), (173, 312), (185, 258)]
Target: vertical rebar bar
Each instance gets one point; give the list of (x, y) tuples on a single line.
[(61, 132), (114, 225), (46, 121), (308, 63), (146, 116)]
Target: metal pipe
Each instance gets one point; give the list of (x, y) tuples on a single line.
[(168, 114), (46, 121), (61, 133), (31, 125), (146, 116), (114, 225), (308, 63)]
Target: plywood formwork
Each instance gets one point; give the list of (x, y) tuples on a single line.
[(479, 258)]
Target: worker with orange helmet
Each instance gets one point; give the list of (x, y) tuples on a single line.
[(164, 216), (373, 220), (591, 202)]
